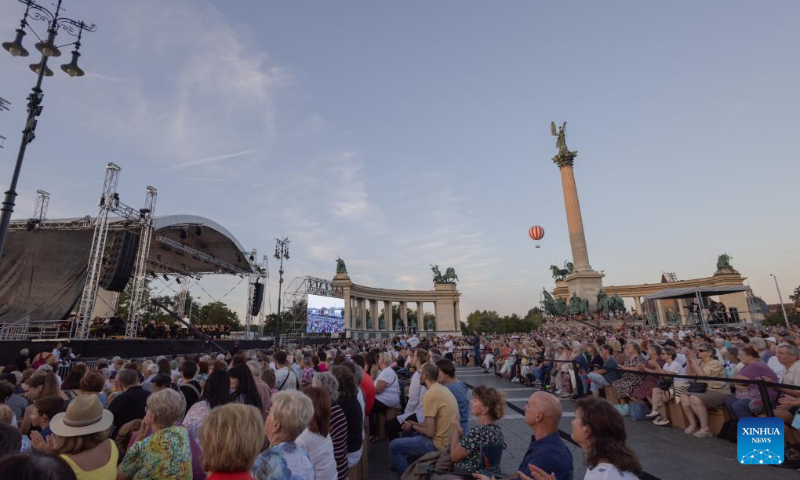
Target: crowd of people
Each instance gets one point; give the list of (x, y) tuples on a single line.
[(307, 412)]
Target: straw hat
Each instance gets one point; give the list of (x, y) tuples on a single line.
[(84, 415)]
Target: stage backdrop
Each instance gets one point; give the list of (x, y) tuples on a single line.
[(42, 273)]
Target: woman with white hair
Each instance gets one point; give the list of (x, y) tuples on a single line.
[(387, 390), (290, 414), (167, 452)]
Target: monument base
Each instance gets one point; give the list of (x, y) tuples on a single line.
[(586, 284)]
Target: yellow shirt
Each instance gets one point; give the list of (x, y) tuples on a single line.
[(106, 472), (440, 404)]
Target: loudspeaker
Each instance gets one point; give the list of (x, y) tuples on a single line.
[(119, 260), (258, 298)]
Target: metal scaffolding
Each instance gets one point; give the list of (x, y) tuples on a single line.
[(295, 300), (139, 274)]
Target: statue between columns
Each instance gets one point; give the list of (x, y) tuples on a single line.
[(565, 157)]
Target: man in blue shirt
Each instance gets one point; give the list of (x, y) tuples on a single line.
[(447, 377), (547, 450)]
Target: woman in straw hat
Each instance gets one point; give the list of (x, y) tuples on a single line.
[(80, 437)]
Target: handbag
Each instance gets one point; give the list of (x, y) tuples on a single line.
[(697, 387), (664, 383)]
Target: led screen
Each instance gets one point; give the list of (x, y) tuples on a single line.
[(325, 315)]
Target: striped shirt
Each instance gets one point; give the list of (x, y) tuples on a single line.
[(338, 433)]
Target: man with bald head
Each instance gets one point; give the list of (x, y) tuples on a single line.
[(546, 451)]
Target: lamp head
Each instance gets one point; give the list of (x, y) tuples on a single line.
[(15, 48), (48, 48), (72, 69), (36, 66)]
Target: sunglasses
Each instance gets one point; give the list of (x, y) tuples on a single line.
[(701, 350)]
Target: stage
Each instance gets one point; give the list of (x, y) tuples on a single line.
[(125, 348)]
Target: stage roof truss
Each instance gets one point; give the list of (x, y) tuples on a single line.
[(692, 292), (222, 267)]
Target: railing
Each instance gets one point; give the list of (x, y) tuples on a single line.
[(15, 330)]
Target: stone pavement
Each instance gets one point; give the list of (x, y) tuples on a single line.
[(665, 452)]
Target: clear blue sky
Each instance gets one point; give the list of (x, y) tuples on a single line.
[(398, 134)]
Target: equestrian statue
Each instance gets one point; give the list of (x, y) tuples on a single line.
[(561, 274)]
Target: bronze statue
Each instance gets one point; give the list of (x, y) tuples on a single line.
[(340, 266), (724, 262), (565, 157), (578, 305), (561, 274), (448, 277)]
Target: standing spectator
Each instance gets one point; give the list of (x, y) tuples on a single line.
[(285, 377), (476, 344), (231, 438), (244, 387), (167, 452), (348, 401), (439, 406), (308, 372), (130, 404), (81, 439), (262, 388), (338, 423), (190, 388), (216, 392), (290, 414), (316, 439), (447, 377)]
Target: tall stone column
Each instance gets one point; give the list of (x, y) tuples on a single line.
[(404, 314), (373, 313), (362, 312), (577, 238), (457, 325), (583, 281), (637, 301), (387, 314), (420, 317)]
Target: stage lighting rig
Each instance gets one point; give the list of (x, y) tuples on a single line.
[(281, 253), (48, 48)]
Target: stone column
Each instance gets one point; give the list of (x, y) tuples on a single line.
[(662, 315), (420, 316), (348, 316), (387, 314), (373, 313), (404, 315), (637, 301), (457, 326), (362, 312), (577, 238)]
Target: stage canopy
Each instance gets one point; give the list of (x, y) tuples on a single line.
[(43, 270), (692, 292)]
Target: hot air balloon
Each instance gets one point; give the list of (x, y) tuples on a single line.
[(536, 233)]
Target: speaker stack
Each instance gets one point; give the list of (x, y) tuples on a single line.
[(118, 261), (258, 298)]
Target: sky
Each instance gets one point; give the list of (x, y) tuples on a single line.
[(401, 134)]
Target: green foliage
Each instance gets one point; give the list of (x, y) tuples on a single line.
[(489, 321), (796, 297), (775, 319), (216, 313)]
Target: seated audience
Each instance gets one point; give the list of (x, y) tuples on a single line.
[(338, 422), (290, 414), (216, 392), (488, 406), (231, 438), (130, 404), (316, 439), (696, 404)]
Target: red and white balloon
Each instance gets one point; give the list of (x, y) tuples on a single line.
[(536, 233)]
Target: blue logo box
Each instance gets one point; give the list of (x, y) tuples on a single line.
[(759, 441)]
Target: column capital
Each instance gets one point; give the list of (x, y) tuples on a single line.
[(565, 159)]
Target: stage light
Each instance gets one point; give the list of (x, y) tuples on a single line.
[(166, 277), (153, 274), (177, 279), (252, 258), (198, 230), (15, 48), (184, 234)]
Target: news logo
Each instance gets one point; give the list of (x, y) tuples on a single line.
[(759, 441)]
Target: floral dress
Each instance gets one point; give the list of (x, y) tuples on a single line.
[(625, 386), (285, 461), (165, 454), (472, 442), (645, 390)]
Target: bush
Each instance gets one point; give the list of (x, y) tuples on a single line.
[(775, 319)]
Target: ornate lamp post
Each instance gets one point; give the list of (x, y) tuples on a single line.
[(281, 253), (48, 49)]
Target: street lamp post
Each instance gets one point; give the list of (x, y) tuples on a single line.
[(281, 253), (48, 49), (780, 298)]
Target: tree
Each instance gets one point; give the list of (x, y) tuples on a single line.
[(217, 313), (124, 302), (775, 319), (796, 298)]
